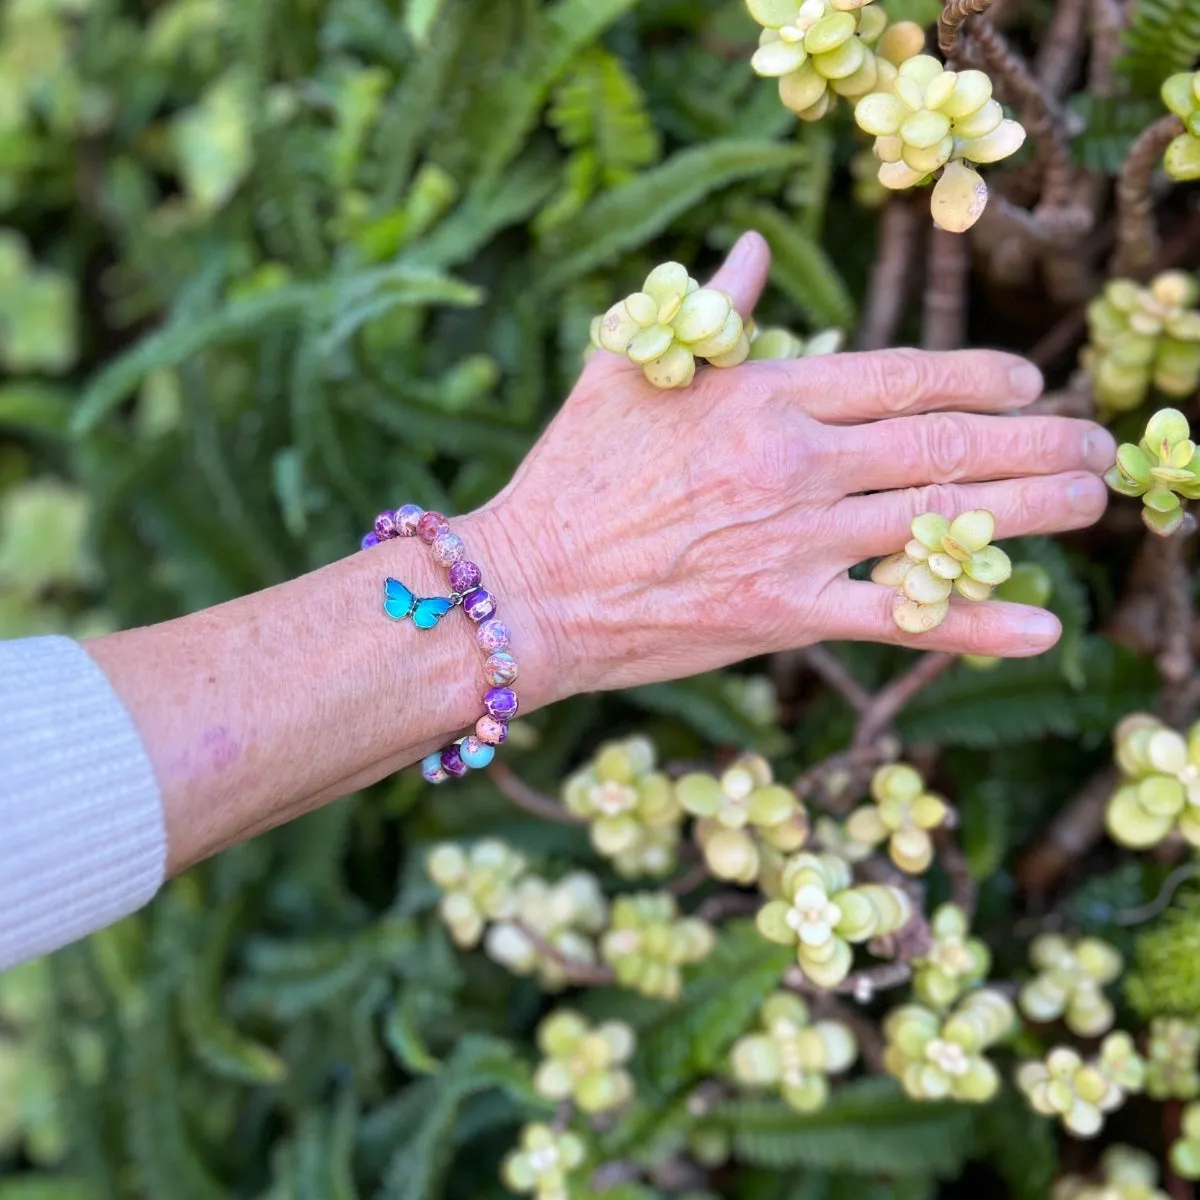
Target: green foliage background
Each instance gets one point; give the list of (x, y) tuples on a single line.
[(267, 266)]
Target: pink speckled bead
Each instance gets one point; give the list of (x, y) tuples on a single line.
[(447, 549), (385, 525), (493, 635), (490, 731), (501, 669), (464, 576), (431, 526), (407, 516)]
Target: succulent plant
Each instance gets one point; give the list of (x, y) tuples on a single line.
[(583, 1064), (542, 1163), (1185, 1153), (793, 1053), (1070, 981), (479, 886), (567, 915), (942, 557), (1160, 788), (1173, 1059), (936, 1056), (738, 809), (1181, 94), (776, 343), (954, 962), (1125, 1174), (822, 49), (648, 942), (1081, 1093), (1143, 336), (670, 323), (1030, 584), (821, 914), (1163, 467), (633, 814), (929, 119), (902, 814)]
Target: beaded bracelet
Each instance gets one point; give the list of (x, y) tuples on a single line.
[(399, 602)]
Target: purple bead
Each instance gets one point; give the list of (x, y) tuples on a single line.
[(501, 703), (464, 576), (385, 525), (452, 762), (407, 516), (447, 549), (500, 668), (369, 540), (431, 526), (490, 731), (492, 635), (479, 604)]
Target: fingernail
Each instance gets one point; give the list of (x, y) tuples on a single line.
[(1082, 493), (1025, 381), (1038, 628), (1099, 449)]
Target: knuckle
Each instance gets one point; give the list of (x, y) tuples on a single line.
[(900, 378), (947, 446)]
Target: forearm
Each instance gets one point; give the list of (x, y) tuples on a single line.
[(260, 709)]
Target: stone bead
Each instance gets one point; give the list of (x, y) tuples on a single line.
[(501, 703), (369, 540), (501, 669), (479, 604), (475, 752), (490, 731), (431, 768), (464, 576), (447, 549), (492, 635), (407, 516), (452, 761), (431, 526), (385, 525)]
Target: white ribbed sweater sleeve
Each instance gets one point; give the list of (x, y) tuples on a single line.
[(82, 839)]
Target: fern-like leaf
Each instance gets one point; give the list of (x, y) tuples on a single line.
[(1163, 37), (1109, 125)]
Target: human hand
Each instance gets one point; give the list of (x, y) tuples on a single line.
[(661, 534)]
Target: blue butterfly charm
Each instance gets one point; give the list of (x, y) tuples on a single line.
[(399, 602)]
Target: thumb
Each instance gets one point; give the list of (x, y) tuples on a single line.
[(743, 274)]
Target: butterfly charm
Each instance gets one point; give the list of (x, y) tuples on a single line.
[(399, 602)]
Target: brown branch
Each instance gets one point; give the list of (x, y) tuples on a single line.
[(839, 780), (888, 702), (588, 974), (827, 664), (948, 267), (690, 880), (1062, 46), (1161, 902), (1137, 239), (1070, 402), (951, 18), (963, 891), (526, 798), (1072, 833), (1175, 658), (728, 904), (891, 274), (1108, 26)]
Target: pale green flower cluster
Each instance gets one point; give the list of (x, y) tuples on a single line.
[(738, 813), (1173, 1059), (776, 343), (1181, 94), (478, 885), (822, 913), (583, 1064), (935, 1055), (543, 1162), (793, 1054), (1081, 1093), (1163, 468), (648, 943), (902, 815), (1070, 981), (633, 814), (1125, 1174), (1185, 1153), (1160, 786), (954, 963)]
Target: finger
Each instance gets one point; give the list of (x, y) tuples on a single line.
[(744, 272), (871, 385), (862, 612), (880, 524), (952, 447), (743, 275)]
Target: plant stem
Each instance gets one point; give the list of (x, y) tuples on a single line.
[(826, 664), (891, 274), (948, 269), (1137, 239), (888, 702), (589, 974), (529, 800)]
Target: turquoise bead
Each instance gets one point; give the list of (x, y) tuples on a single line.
[(475, 753)]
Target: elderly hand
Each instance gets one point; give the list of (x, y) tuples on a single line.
[(661, 534)]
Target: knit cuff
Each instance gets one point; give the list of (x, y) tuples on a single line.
[(82, 837)]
